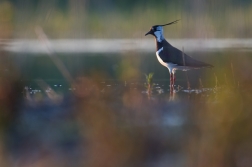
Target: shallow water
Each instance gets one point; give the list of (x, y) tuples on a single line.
[(102, 108), (130, 67)]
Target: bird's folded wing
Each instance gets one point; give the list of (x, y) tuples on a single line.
[(173, 55)]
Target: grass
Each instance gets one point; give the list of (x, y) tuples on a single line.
[(213, 22), (149, 82)]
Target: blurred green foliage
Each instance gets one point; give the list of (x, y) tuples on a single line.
[(130, 19)]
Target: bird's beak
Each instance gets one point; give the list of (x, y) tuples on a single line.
[(150, 32)]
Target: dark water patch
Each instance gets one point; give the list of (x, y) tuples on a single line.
[(228, 66)]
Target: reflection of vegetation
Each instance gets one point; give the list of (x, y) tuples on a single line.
[(128, 68), (122, 130)]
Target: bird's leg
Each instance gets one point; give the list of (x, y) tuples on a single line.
[(171, 83), (171, 79)]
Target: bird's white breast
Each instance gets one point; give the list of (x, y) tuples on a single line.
[(159, 59), (171, 66)]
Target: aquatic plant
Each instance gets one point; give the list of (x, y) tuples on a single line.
[(149, 82)]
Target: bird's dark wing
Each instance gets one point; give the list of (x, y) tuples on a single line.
[(170, 54)]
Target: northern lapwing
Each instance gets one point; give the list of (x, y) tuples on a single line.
[(171, 57)]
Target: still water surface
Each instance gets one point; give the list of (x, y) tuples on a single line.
[(109, 106), (130, 67)]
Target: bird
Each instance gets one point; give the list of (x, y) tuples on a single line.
[(171, 57)]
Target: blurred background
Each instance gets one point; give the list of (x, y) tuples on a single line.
[(125, 19), (80, 84)]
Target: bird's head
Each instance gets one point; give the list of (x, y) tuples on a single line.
[(157, 30)]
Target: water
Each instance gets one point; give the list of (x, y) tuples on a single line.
[(102, 108), (115, 67)]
